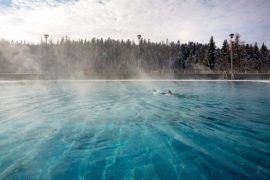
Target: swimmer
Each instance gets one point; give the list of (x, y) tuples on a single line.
[(155, 92), (169, 93)]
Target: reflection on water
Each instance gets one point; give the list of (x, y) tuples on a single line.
[(95, 130)]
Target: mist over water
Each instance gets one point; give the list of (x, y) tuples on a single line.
[(118, 59), (94, 130)]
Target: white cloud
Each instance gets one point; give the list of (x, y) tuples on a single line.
[(186, 20)]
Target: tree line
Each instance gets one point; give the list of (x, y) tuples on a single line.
[(109, 56)]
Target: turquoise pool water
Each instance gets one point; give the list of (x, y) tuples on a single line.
[(120, 130)]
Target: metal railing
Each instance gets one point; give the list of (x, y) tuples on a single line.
[(199, 71)]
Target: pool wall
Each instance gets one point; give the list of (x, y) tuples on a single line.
[(170, 76)]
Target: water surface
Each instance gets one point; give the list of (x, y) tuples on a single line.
[(120, 130)]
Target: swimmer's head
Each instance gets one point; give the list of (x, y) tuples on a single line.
[(154, 90), (169, 92)]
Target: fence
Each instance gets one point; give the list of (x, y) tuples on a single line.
[(183, 74), (200, 71)]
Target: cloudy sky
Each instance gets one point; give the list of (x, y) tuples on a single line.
[(184, 20)]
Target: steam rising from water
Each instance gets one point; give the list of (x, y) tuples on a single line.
[(95, 129)]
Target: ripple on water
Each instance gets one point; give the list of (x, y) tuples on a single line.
[(120, 130)]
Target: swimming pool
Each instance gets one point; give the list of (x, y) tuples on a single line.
[(117, 130)]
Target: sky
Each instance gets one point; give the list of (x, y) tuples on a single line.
[(157, 20)]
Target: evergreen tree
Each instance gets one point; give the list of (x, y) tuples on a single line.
[(105, 57), (256, 57), (211, 53), (237, 51), (225, 54), (264, 54), (264, 49)]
